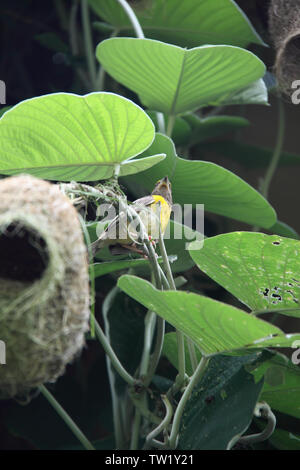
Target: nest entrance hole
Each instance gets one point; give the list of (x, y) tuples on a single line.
[(23, 253)]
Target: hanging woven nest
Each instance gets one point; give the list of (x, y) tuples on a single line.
[(44, 284), (284, 27)]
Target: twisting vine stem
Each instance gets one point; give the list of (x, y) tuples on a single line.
[(187, 393), (150, 441)]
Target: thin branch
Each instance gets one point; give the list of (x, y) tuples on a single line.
[(67, 419)]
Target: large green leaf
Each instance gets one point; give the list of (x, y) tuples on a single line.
[(221, 406), (281, 388), (195, 182), (262, 271), (174, 80), (214, 327), (187, 23), (69, 137)]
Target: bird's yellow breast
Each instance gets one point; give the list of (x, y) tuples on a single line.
[(165, 210)]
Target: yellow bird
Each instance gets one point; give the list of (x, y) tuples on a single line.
[(149, 208)]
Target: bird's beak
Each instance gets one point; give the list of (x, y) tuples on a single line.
[(165, 179)]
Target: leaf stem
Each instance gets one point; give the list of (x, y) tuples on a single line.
[(100, 80), (133, 19), (112, 355), (148, 336), (92, 275), (160, 334), (67, 419), (192, 353), (187, 393), (73, 39), (88, 42), (135, 432), (180, 337), (116, 400), (170, 126), (277, 151), (161, 123), (166, 262)]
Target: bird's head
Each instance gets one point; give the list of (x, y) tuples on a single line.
[(163, 188)]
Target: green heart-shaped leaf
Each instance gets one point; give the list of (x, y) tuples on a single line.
[(213, 326), (69, 137), (262, 271), (174, 80), (221, 406), (187, 23), (195, 182)]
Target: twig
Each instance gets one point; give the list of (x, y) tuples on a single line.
[(67, 419)]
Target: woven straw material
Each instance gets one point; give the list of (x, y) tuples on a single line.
[(284, 26), (44, 284)]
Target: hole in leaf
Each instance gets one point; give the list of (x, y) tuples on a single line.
[(276, 296), (266, 292)]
